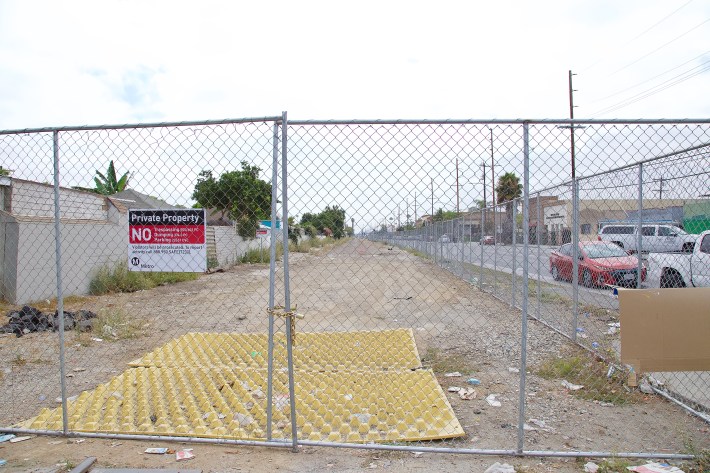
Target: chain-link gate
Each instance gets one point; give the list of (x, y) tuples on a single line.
[(410, 285)]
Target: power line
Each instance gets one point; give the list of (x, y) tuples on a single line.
[(651, 78), (661, 21), (656, 89), (642, 33), (660, 47)]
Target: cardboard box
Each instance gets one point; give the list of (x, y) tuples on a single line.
[(665, 329)]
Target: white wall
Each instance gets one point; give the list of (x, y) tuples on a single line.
[(34, 199), (86, 247)]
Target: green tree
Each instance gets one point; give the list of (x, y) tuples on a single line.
[(108, 184), (441, 215), (241, 195), (4, 172), (332, 218)]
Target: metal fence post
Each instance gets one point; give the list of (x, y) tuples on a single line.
[(575, 258), (524, 320), (495, 251), (287, 288), (538, 236), (515, 256), (639, 231), (272, 281), (60, 293), (480, 243)]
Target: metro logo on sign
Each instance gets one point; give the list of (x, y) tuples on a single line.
[(167, 240)]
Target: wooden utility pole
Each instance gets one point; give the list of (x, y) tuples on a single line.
[(571, 116)]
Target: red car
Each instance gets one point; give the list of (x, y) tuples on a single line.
[(600, 263), (488, 240)]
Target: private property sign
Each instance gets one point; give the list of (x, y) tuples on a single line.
[(167, 240)]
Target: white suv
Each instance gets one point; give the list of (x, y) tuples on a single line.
[(654, 238)]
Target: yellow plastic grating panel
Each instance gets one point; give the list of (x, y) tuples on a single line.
[(354, 406), (325, 351), (350, 387)]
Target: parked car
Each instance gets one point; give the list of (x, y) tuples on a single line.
[(444, 238), (654, 238), (600, 264), (488, 240), (682, 270)]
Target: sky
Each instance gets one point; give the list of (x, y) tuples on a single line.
[(75, 63), (108, 62)]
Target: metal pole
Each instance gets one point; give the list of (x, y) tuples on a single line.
[(60, 294), (639, 232), (495, 251), (272, 280), (480, 263), (524, 321), (493, 176), (539, 275), (287, 288), (575, 258), (515, 251)]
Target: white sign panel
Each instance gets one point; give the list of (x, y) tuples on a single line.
[(171, 240)]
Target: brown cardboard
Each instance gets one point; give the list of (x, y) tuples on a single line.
[(665, 329)]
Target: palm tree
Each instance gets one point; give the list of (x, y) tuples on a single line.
[(508, 189), (108, 184)]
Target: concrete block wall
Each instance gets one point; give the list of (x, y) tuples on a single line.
[(35, 199), (86, 247)]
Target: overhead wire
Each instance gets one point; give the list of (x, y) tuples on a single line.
[(704, 67), (617, 47), (651, 78)]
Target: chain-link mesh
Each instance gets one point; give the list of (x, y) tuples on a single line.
[(409, 270)]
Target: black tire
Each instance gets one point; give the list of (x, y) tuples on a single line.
[(587, 278), (672, 278), (555, 273)]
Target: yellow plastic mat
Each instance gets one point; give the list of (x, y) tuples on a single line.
[(182, 395), (373, 350)]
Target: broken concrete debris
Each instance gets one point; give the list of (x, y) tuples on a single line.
[(30, 319)]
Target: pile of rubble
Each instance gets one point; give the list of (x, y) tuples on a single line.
[(30, 319)]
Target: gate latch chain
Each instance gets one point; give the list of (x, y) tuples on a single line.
[(291, 315)]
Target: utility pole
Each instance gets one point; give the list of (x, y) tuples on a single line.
[(571, 116), (432, 200), (457, 185), (415, 209), (485, 201), (660, 189), (493, 176)]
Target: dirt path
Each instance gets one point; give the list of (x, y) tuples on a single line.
[(358, 285)]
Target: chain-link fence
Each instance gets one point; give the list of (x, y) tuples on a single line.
[(446, 285)]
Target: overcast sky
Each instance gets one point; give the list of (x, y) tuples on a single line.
[(105, 62)]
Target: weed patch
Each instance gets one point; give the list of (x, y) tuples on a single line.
[(442, 363), (582, 368), (119, 279), (417, 253), (19, 360)]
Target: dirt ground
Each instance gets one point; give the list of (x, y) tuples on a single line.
[(357, 285)]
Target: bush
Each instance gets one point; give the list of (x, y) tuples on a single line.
[(119, 279), (310, 231)]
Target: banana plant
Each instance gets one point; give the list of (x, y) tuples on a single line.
[(108, 184)]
